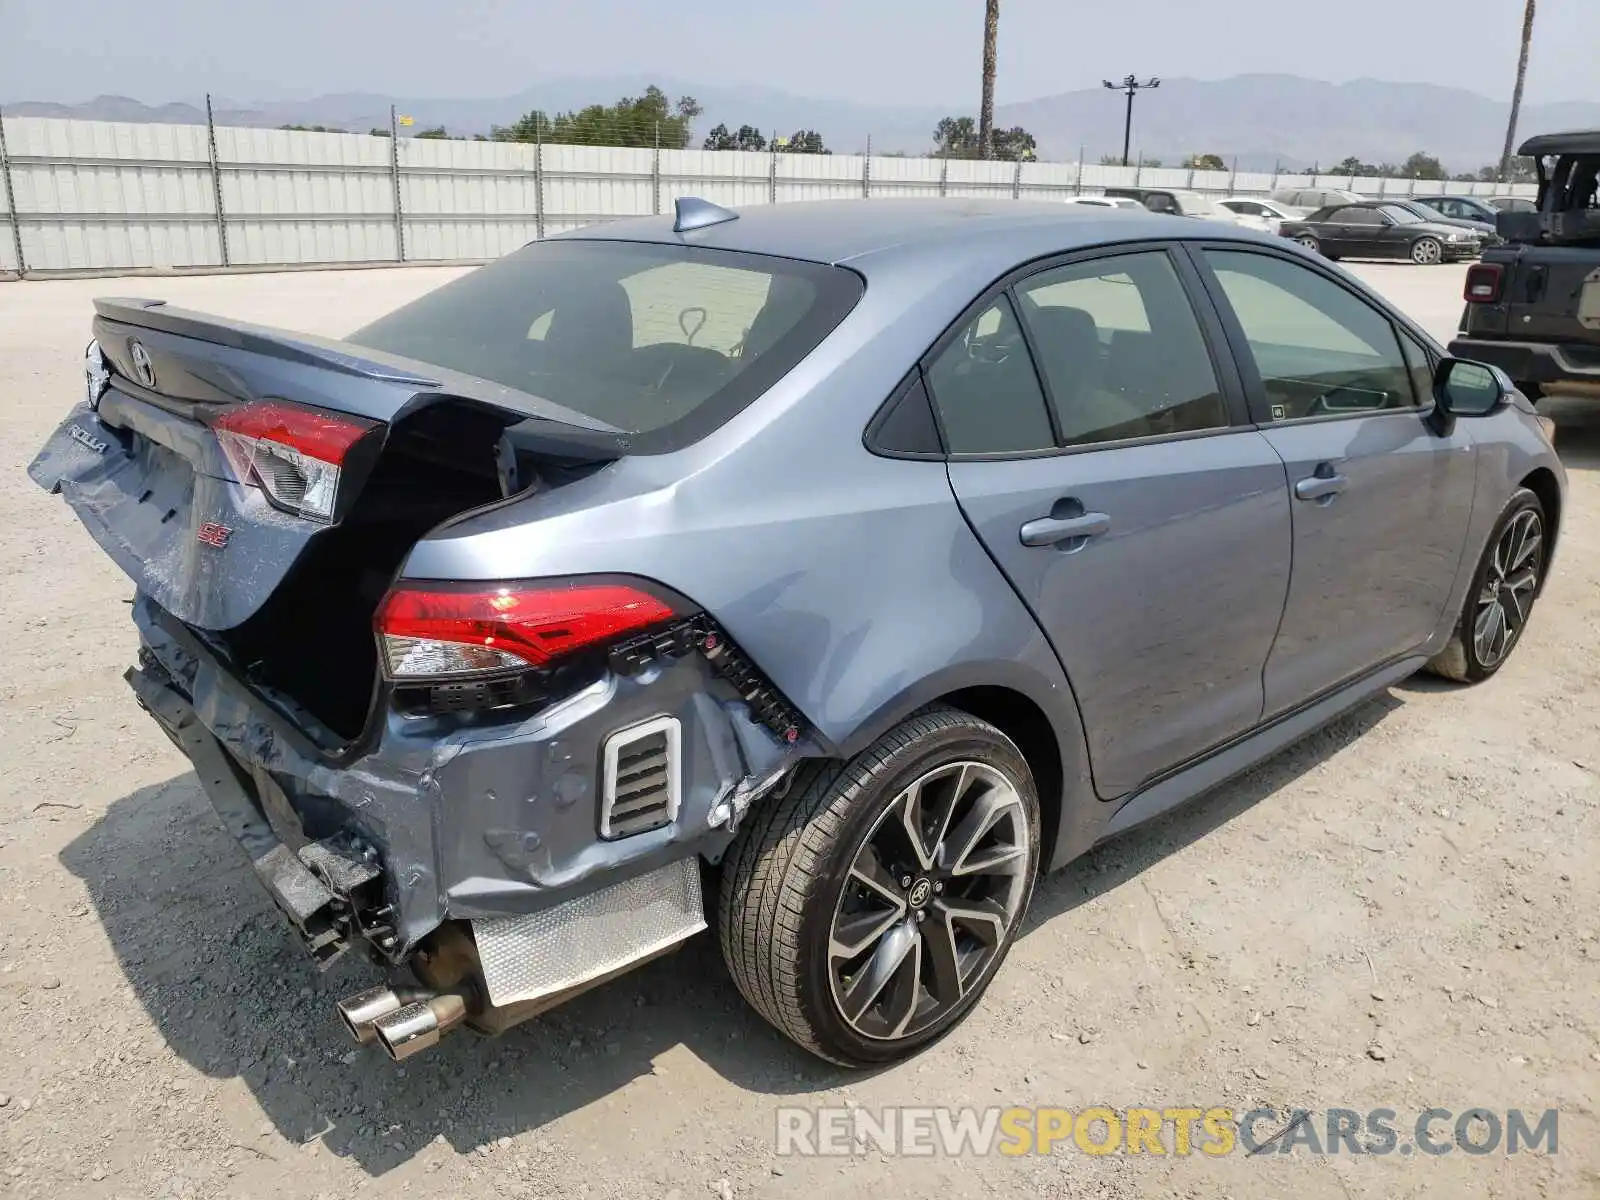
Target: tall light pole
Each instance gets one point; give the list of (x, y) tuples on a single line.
[(1131, 85)]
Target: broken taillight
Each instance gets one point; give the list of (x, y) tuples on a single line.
[(295, 454), (430, 631)]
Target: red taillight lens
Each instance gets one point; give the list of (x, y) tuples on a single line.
[(428, 632), (295, 454), (1483, 283)]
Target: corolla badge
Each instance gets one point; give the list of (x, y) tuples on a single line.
[(142, 366)]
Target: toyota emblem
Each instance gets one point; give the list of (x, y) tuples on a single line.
[(142, 366)]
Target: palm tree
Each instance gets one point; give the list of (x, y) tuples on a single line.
[(991, 33), (1516, 94)]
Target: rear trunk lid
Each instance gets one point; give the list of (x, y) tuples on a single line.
[(146, 466)]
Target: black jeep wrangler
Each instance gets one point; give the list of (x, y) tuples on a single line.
[(1533, 304)]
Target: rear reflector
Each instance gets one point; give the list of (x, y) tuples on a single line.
[(1483, 283), (434, 631), (294, 454)]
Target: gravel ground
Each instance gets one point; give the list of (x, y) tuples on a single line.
[(1400, 912)]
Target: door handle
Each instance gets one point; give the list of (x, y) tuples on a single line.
[(1318, 487), (1050, 531)]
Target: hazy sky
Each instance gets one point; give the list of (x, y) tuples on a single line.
[(874, 51)]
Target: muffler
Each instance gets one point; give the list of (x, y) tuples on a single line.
[(358, 1012), (418, 1026)]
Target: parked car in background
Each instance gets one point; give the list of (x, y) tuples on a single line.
[(1458, 208), (1177, 201), (1483, 230), (1255, 213), (1105, 202), (1533, 304), (1313, 198), (866, 560), (1519, 204), (1378, 229)]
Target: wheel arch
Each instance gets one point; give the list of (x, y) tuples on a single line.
[(1541, 481), (1041, 717)]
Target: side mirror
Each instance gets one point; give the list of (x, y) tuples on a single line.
[(1469, 389)]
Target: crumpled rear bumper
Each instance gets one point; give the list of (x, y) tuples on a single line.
[(433, 818)]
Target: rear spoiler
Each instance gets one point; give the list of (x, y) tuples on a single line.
[(257, 339)]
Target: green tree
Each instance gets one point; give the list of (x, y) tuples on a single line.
[(1014, 143), (648, 120), (1351, 166), (312, 128), (1422, 165), (748, 138), (1205, 162), (956, 137), (436, 134), (376, 132), (802, 141)]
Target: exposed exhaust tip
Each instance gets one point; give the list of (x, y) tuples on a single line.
[(418, 1026), (358, 1012)]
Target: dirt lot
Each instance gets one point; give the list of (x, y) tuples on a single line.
[(1402, 912)]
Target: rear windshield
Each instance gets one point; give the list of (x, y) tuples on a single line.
[(663, 342)]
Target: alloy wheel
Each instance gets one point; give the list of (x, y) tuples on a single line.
[(931, 899), (1425, 252), (1309, 242), (1508, 587)]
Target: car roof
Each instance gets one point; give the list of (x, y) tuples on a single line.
[(853, 231), (1576, 141)]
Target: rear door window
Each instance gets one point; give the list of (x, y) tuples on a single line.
[(662, 342), (1121, 349), (986, 390)]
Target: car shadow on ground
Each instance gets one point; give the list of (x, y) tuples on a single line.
[(232, 993), (1577, 430)]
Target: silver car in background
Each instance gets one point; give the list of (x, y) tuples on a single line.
[(858, 561)]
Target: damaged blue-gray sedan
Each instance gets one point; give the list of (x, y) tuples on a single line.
[(859, 560)]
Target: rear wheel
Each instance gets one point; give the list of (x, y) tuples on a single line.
[(1501, 597), (1427, 251), (1310, 243), (864, 913)]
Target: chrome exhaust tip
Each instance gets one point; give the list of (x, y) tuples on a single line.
[(358, 1012), (418, 1026)]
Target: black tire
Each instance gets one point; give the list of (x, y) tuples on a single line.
[(788, 879), (1309, 242), (1466, 658)]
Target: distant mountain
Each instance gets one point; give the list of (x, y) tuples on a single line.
[(1260, 120)]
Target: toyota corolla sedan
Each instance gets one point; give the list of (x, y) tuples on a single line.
[(855, 562)]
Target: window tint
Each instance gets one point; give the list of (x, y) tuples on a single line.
[(986, 389), (1357, 216), (1121, 350), (662, 342), (1320, 350)]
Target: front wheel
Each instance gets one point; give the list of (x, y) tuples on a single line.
[(1427, 251), (1501, 597), (864, 913)]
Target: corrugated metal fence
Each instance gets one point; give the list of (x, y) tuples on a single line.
[(92, 196)]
